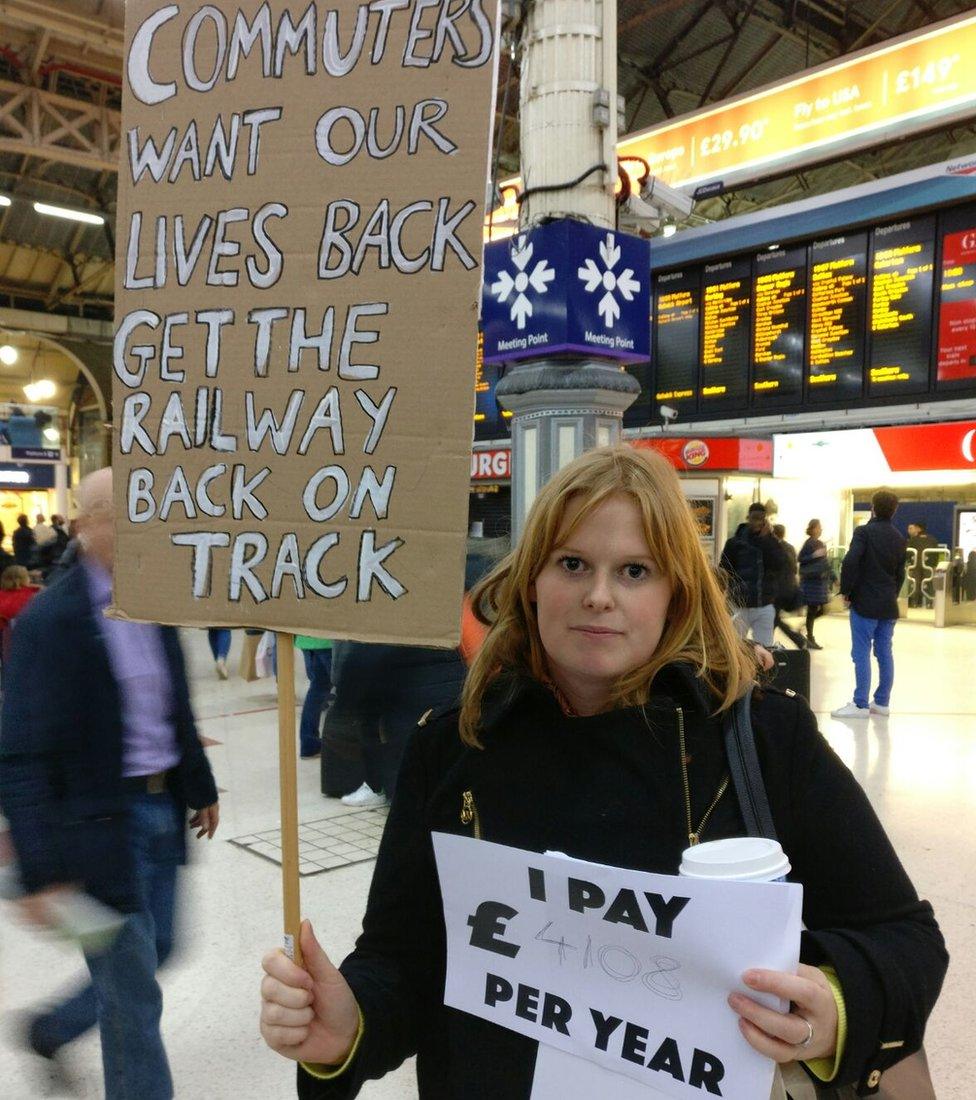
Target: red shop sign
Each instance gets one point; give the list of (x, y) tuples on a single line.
[(491, 465), (713, 453), (929, 446)]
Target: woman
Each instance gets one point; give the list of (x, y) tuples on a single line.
[(609, 637), (815, 576)]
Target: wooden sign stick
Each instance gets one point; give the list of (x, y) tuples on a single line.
[(287, 777)]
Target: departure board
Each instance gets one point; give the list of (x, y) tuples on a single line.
[(902, 261), (956, 360), (837, 318), (675, 346), (726, 315), (779, 324), (490, 421), (638, 414)]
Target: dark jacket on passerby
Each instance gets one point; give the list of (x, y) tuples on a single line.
[(23, 542), (380, 693), (815, 573), (969, 577), (861, 912), (61, 741), (754, 564), (788, 594), (874, 569)]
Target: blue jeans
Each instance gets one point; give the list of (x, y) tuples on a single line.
[(124, 998), (219, 639), (318, 668), (864, 634)]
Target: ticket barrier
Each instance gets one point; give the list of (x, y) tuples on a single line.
[(932, 559), (948, 613)]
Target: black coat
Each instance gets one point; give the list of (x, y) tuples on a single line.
[(24, 542), (874, 569), (755, 565), (61, 748), (609, 789), (815, 572)]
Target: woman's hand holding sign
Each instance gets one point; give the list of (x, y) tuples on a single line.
[(307, 1014), (808, 1030)]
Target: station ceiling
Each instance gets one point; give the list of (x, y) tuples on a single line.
[(60, 94)]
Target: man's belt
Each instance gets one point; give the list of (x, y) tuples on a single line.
[(157, 783)]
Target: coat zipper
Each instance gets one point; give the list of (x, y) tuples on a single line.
[(694, 835), (469, 813)]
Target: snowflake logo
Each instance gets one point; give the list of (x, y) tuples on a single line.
[(538, 279), (594, 278)]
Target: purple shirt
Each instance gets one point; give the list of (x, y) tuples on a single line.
[(138, 663)]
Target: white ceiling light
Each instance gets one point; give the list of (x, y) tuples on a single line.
[(52, 435), (67, 212), (8, 355), (40, 390), (4, 201)]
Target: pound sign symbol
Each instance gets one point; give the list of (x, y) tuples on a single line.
[(487, 926)]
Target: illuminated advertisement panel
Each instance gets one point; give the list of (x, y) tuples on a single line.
[(903, 86), (956, 359)]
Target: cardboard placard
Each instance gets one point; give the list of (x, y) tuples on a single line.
[(299, 252)]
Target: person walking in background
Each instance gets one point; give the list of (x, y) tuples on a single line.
[(919, 540), (969, 577), (99, 760), (871, 577), (753, 560), (43, 531), (374, 723), (788, 597), (815, 577), (219, 639), (24, 542), (5, 558), (318, 667)]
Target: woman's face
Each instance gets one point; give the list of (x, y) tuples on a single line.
[(816, 531), (601, 603)]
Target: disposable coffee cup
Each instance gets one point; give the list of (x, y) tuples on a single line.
[(737, 859)]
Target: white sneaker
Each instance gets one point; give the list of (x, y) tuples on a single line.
[(365, 798), (222, 672), (877, 708), (850, 710)]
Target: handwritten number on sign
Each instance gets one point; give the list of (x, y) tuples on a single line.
[(620, 965)]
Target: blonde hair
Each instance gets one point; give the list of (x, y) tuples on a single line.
[(14, 577), (698, 629)]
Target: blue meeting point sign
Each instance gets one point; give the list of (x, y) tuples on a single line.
[(567, 288)]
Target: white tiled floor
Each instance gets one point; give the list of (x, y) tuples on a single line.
[(919, 768)]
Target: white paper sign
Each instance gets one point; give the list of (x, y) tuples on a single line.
[(560, 1076), (628, 970)]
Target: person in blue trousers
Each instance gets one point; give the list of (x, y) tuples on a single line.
[(318, 667), (219, 639), (871, 577), (100, 762)]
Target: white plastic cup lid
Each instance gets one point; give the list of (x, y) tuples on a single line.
[(740, 858)]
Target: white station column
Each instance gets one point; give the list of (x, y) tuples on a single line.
[(565, 404)]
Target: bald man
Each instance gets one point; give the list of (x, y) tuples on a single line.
[(99, 762)]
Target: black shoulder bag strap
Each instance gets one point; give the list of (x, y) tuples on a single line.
[(740, 748)]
